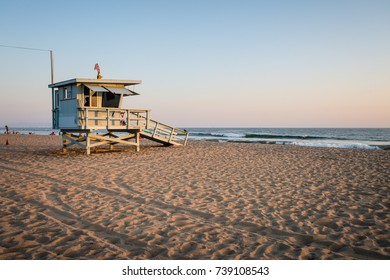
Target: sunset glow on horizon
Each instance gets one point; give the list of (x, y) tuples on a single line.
[(206, 63)]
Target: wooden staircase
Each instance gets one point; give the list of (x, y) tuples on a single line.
[(161, 133)]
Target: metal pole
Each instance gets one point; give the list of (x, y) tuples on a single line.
[(53, 98), (52, 66)]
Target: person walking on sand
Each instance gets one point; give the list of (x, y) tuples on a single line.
[(6, 129)]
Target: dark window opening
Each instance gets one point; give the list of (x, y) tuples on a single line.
[(111, 100), (86, 97)]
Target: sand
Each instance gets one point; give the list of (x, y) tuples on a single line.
[(204, 201)]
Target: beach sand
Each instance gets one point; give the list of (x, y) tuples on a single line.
[(203, 201)]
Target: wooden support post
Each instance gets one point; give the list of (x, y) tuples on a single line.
[(155, 130), (111, 144), (137, 141), (127, 118), (86, 118), (147, 119), (63, 143), (88, 142), (170, 136)]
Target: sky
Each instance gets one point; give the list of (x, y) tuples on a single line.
[(214, 63)]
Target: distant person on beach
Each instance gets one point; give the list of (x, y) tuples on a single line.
[(6, 129)]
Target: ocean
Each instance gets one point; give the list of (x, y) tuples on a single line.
[(359, 138)]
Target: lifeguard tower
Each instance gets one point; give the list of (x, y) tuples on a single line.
[(89, 113)]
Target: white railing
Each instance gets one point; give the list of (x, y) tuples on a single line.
[(127, 119), (113, 118), (165, 133)]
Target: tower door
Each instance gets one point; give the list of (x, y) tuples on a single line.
[(56, 110)]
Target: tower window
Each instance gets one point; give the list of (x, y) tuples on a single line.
[(67, 94)]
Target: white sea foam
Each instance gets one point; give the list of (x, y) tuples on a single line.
[(229, 135), (338, 145)]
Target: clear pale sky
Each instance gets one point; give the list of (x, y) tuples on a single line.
[(206, 63)]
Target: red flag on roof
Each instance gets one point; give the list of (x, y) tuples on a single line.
[(97, 68)]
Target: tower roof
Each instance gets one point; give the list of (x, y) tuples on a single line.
[(95, 82)]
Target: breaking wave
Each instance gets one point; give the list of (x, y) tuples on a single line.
[(264, 136)]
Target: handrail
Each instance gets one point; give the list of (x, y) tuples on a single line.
[(168, 126), (167, 133), (115, 118)]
